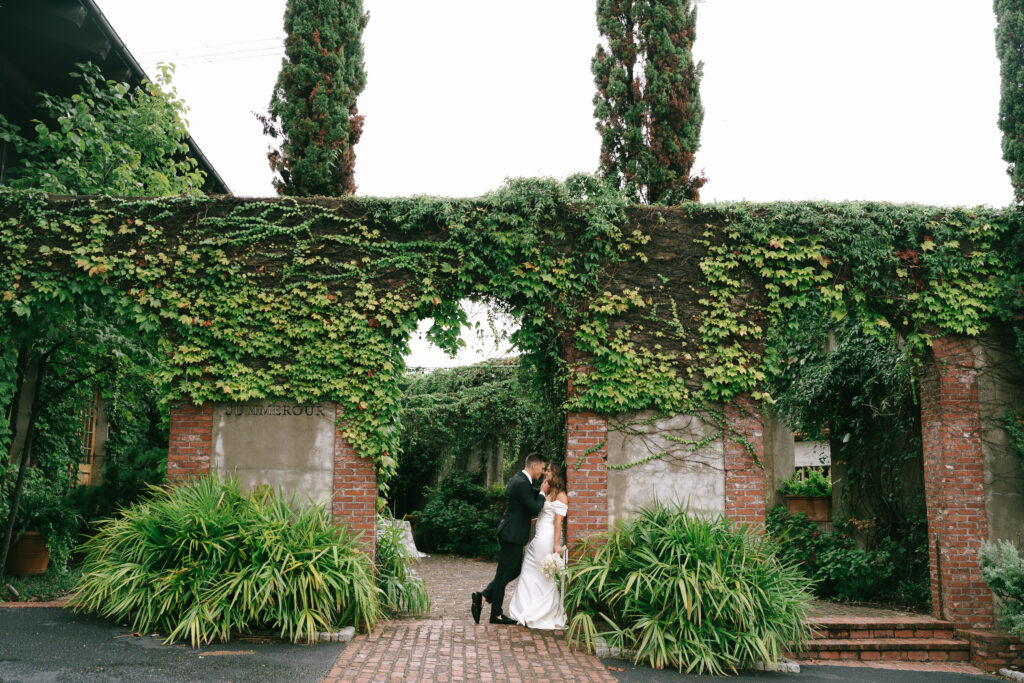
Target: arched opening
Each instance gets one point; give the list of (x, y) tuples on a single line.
[(467, 421)]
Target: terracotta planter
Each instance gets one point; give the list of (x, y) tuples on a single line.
[(28, 556), (817, 508)]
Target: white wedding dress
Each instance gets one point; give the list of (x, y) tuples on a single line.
[(537, 602)]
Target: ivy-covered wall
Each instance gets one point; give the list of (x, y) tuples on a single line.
[(639, 308)]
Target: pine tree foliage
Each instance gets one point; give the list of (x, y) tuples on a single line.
[(648, 104), (313, 114), (1010, 48)]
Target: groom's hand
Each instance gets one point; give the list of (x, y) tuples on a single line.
[(544, 487)]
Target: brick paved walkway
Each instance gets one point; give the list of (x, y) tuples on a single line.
[(823, 608), (451, 650), (451, 582), (447, 646)]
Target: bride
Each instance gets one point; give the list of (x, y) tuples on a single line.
[(537, 602)]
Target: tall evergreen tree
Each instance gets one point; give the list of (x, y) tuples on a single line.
[(647, 104), (1010, 48), (313, 110)]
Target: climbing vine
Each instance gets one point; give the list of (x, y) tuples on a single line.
[(636, 307)]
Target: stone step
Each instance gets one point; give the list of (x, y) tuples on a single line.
[(888, 649), (855, 628)]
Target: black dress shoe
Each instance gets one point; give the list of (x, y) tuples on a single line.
[(477, 604), (502, 619)]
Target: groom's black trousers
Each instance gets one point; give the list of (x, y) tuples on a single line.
[(510, 563)]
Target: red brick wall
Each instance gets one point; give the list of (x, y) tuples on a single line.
[(994, 650), (586, 475), (355, 491), (954, 483), (744, 479), (188, 453)]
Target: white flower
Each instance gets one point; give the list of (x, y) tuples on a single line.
[(552, 565)]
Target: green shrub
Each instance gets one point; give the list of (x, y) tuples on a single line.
[(838, 567), (204, 560), (459, 519), (126, 478), (811, 482), (688, 592), (402, 589), (1002, 568)]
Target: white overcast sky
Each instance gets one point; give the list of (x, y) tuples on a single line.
[(891, 100)]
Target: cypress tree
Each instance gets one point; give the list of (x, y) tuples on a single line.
[(313, 114), (1009, 47), (647, 104)]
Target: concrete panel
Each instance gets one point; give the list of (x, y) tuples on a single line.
[(1000, 379), (680, 476), (288, 446), (811, 454), (779, 448)]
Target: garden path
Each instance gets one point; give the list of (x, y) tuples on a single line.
[(447, 646)]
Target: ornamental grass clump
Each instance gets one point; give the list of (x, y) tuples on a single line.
[(204, 560), (693, 593), (402, 590)]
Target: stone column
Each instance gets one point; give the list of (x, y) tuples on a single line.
[(191, 437), (744, 477), (954, 483), (587, 475), (354, 501)]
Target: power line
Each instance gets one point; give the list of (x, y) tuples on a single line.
[(225, 52), (223, 57), (277, 41)]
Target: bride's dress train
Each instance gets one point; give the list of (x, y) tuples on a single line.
[(537, 602)]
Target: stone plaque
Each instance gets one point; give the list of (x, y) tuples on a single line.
[(289, 446)]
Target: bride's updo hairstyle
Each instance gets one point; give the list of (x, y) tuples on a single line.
[(556, 479)]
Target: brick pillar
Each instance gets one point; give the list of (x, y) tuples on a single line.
[(954, 483), (586, 475), (354, 499), (745, 499), (188, 453)]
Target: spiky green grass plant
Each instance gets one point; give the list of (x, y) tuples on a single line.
[(403, 590), (693, 593), (203, 560)]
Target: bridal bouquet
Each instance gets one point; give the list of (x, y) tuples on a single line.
[(552, 565)]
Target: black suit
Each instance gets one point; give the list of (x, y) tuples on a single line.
[(522, 503)]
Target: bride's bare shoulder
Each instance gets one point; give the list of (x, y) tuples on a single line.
[(562, 497)]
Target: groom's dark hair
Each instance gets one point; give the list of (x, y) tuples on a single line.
[(535, 457)]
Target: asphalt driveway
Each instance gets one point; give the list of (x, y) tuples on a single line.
[(50, 644), (627, 672)]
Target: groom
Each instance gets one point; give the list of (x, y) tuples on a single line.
[(522, 503)]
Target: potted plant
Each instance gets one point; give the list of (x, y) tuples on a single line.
[(46, 527), (809, 491)]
